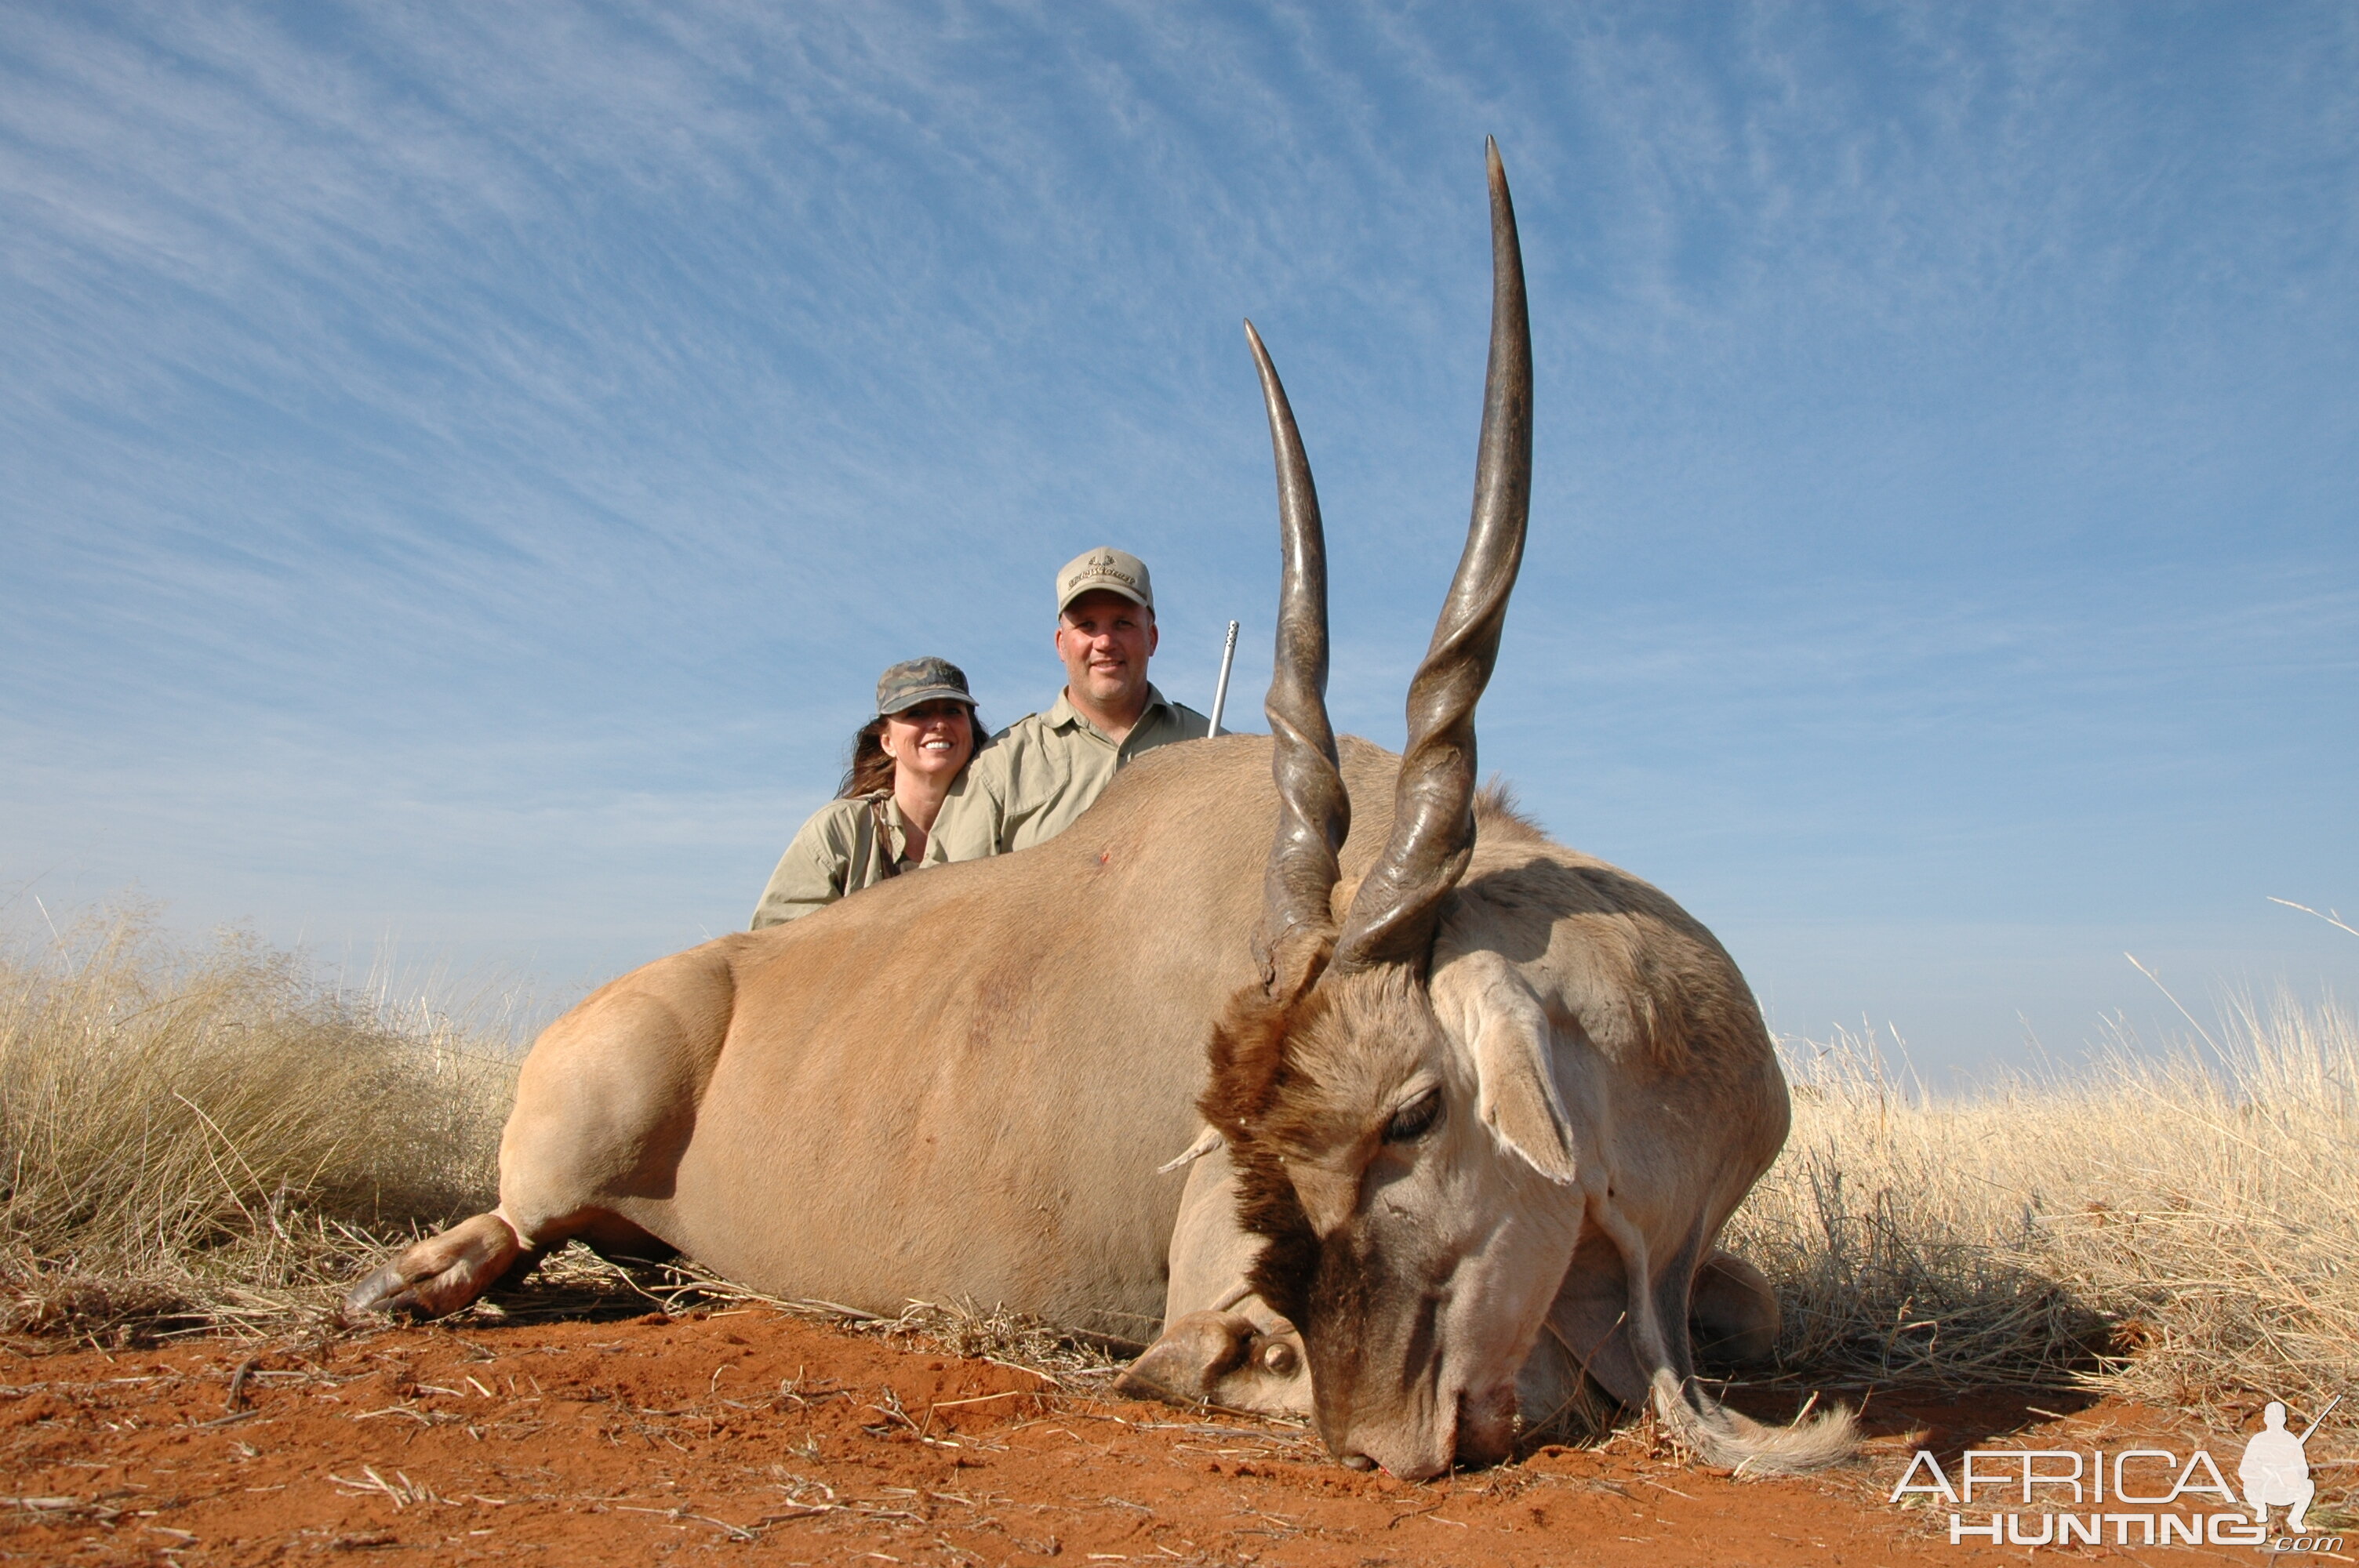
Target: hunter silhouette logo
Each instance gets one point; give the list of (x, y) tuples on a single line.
[(2275, 1467)]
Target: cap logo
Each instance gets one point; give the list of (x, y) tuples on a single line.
[(1104, 567)]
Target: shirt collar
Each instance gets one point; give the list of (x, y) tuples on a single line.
[(1063, 715), (897, 827)]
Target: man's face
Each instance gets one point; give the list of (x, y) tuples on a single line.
[(1104, 641)]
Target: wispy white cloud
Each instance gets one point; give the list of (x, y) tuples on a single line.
[(434, 431)]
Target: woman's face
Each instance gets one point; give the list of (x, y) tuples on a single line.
[(933, 739)]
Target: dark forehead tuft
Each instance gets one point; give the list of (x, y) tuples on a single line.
[(1307, 1078)]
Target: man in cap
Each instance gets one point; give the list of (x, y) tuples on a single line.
[(1046, 769)]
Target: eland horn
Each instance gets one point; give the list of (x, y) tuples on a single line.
[(1394, 913), (1314, 813)]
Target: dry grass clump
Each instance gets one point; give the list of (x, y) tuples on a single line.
[(2183, 1227), (191, 1136)]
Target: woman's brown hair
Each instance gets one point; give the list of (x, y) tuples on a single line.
[(870, 770)]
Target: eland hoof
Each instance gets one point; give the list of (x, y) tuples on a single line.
[(1221, 1358), (439, 1274)]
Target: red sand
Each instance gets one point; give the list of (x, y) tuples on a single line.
[(751, 1437)]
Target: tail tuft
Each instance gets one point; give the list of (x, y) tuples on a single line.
[(1718, 1435)]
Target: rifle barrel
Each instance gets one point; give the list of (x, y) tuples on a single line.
[(1221, 691)]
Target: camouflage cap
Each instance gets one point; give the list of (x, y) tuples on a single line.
[(913, 681), (1116, 571)]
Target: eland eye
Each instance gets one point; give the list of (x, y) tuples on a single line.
[(1411, 1121)]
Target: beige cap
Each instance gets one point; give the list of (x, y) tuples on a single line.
[(1116, 571)]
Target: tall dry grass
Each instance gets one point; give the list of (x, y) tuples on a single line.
[(196, 1134), (2182, 1227)]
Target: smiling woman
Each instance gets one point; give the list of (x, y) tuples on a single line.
[(904, 762)]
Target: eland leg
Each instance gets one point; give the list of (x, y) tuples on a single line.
[(1731, 1313), (1584, 1366), (1589, 1347), (442, 1274), (1221, 1344), (1697, 1421), (605, 1103)]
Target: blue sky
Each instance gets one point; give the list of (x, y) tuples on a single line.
[(462, 466)]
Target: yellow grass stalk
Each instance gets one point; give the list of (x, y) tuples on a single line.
[(2182, 1227), (182, 1129)]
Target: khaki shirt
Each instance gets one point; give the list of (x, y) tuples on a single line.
[(1042, 772), (837, 852)]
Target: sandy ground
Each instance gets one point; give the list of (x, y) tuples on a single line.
[(745, 1435)]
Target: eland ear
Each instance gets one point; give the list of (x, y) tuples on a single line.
[(1507, 1033)]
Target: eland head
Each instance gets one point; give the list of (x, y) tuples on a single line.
[(1410, 1185)]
